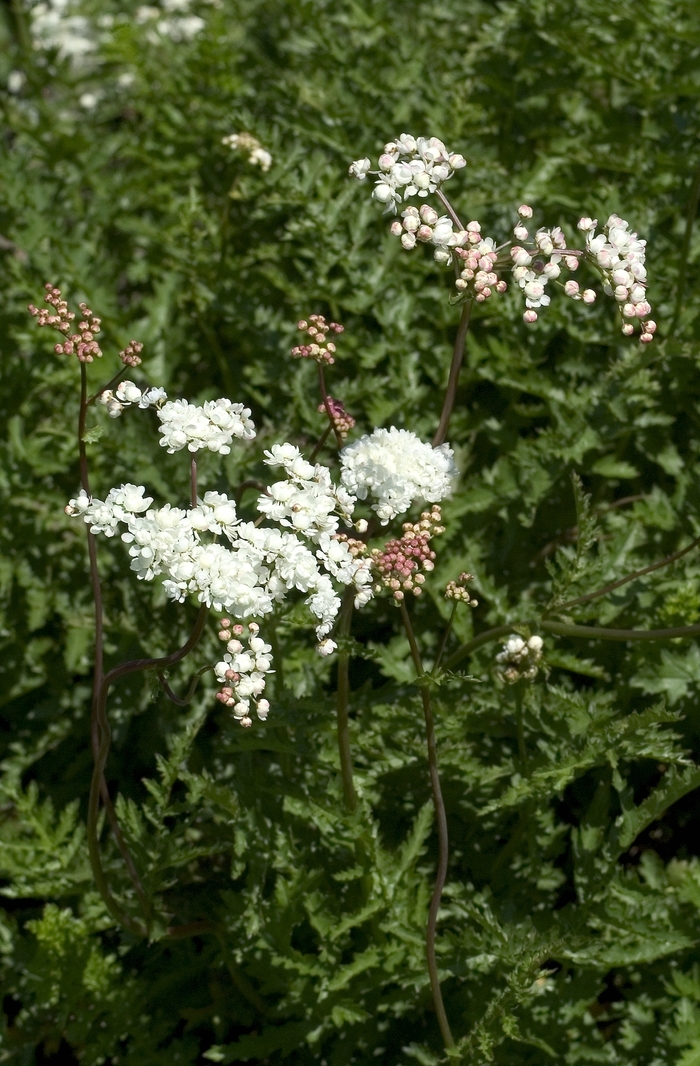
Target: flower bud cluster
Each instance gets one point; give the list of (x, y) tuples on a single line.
[(426, 225), (620, 256), (81, 343), (242, 671), (519, 659), (342, 421), (319, 348), (401, 562), (479, 266), (457, 591), (409, 166), (131, 355), (246, 142)]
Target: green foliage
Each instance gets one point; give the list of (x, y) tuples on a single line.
[(285, 929)]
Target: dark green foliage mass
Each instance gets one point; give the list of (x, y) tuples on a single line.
[(570, 926)]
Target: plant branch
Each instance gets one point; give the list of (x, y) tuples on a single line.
[(181, 701), (443, 841), (193, 481), (343, 701), (565, 629), (327, 405), (96, 725), (319, 443), (103, 388), (103, 733), (624, 580), (455, 367), (449, 208)]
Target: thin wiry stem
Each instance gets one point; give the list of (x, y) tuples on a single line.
[(443, 841), (181, 701), (103, 388), (453, 380), (343, 702), (319, 443), (624, 580), (97, 726), (113, 675), (564, 629), (445, 636), (691, 213), (327, 405), (193, 481)]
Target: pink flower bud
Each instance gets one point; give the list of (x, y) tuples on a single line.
[(649, 326), (628, 329), (396, 228), (424, 233), (571, 262), (571, 288), (646, 338), (530, 316), (501, 286), (525, 211)]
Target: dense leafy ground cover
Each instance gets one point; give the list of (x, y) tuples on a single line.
[(569, 930)]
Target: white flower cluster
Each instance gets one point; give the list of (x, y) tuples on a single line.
[(246, 142), (409, 166), (308, 502), (185, 425), (519, 659), (178, 26), (258, 569), (242, 671), (54, 25), (620, 256), (212, 426), (396, 468), (552, 244), (126, 394)]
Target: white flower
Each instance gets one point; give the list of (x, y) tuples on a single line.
[(257, 155), (326, 647), (360, 168), (396, 468)]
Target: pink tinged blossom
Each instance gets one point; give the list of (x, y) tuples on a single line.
[(571, 262), (586, 224), (646, 338), (628, 329), (571, 288), (525, 211), (520, 232), (519, 256), (588, 296), (396, 228), (649, 326), (529, 316), (408, 241)]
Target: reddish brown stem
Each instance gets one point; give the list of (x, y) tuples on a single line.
[(443, 841), (327, 405), (453, 380)]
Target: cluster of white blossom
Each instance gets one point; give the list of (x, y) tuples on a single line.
[(247, 578), (519, 659), (212, 426), (56, 25), (186, 425), (409, 166), (242, 671), (126, 394), (396, 468), (177, 24), (246, 142), (620, 256)]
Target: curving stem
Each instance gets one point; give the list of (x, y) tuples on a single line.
[(343, 701), (95, 726), (455, 367), (443, 842), (327, 405), (134, 666)]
